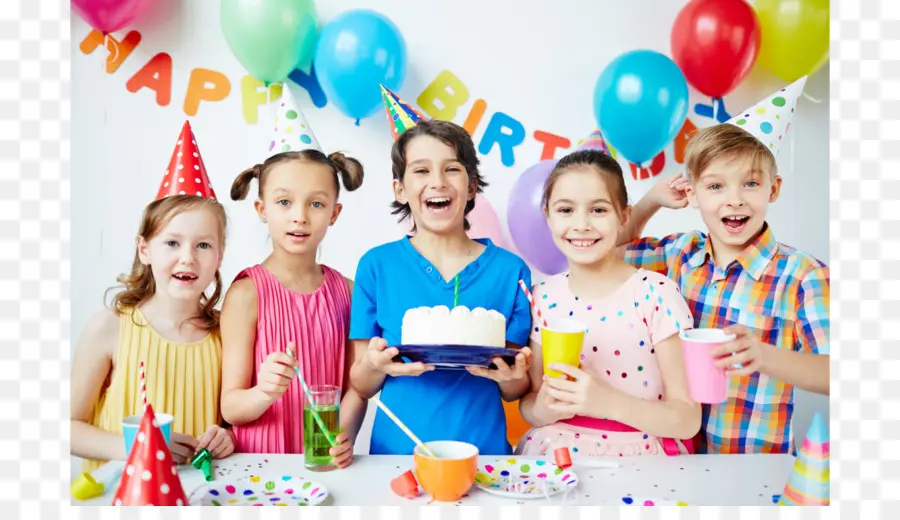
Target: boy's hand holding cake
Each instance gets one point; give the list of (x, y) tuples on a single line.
[(381, 358), (504, 372)]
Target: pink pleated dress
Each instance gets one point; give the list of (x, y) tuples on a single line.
[(318, 323)]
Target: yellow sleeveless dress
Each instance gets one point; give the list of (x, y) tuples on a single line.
[(183, 380)]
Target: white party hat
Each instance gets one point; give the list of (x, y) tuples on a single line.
[(770, 119), (292, 132)]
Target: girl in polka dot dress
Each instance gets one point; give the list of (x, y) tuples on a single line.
[(629, 396)]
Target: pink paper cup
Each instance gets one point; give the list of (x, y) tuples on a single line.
[(707, 383)]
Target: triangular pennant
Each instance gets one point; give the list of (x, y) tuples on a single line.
[(401, 115), (770, 119), (809, 481), (150, 477), (594, 141), (186, 173), (291, 132)]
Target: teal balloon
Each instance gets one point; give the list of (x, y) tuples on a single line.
[(270, 38), (640, 102), (358, 51)]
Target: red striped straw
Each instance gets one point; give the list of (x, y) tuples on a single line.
[(143, 386), (531, 301)]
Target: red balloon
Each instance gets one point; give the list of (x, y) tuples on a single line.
[(715, 43)]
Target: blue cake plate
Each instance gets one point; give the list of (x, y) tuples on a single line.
[(454, 356)]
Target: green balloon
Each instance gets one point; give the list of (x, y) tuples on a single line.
[(270, 38)]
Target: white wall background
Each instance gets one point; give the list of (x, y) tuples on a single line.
[(539, 68)]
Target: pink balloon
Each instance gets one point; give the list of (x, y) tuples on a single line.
[(483, 222), (108, 16)]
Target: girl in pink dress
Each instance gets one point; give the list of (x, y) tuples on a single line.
[(289, 302), (630, 395)]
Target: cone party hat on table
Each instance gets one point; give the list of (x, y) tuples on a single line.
[(809, 481), (770, 119), (401, 115), (594, 141), (291, 132), (186, 174), (150, 477)]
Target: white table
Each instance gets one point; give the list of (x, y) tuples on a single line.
[(695, 479)]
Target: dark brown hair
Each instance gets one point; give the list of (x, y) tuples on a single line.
[(138, 286), (453, 136), (348, 169), (726, 140), (606, 166)]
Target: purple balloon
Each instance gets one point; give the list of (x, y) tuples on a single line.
[(527, 223)]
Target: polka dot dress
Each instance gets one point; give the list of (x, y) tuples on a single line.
[(622, 330)]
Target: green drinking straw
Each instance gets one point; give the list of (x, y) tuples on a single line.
[(456, 291), (312, 404)]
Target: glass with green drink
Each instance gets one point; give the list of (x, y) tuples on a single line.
[(326, 403)]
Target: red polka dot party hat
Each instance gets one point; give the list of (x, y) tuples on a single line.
[(150, 477), (770, 119), (186, 174)]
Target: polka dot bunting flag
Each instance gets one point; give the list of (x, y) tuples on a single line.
[(291, 132), (186, 174), (150, 477), (770, 119), (401, 115)]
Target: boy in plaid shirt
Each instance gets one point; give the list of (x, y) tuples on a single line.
[(737, 277)]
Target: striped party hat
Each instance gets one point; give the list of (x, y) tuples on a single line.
[(809, 482), (400, 114), (594, 141)]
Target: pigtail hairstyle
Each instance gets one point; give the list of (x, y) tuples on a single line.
[(346, 169)]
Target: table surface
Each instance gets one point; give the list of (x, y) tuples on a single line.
[(694, 479)]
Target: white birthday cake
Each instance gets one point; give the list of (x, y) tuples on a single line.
[(461, 326)]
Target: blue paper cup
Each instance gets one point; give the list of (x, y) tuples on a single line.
[(131, 425)]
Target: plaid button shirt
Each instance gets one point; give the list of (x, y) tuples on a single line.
[(778, 292)]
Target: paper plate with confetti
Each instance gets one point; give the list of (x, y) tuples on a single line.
[(630, 500), (524, 478), (260, 491)]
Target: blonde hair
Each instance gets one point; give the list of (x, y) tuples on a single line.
[(138, 286), (726, 140)]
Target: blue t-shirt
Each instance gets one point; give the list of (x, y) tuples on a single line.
[(442, 404)]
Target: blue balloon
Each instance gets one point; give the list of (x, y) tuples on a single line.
[(356, 52), (640, 102)]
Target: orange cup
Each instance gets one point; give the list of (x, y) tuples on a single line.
[(451, 473)]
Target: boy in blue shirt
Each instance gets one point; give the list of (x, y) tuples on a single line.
[(436, 179)]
